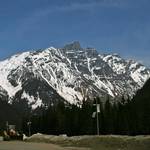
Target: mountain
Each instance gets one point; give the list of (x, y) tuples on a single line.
[(144, 92), (69, 74)]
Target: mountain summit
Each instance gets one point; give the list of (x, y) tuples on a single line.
[(69, 74), (73, 46)]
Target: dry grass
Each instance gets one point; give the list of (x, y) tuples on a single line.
[(110, 142)]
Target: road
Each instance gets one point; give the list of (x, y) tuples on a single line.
[(27, 146), (15, 145)]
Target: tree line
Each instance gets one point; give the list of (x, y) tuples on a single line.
[(127, 117)]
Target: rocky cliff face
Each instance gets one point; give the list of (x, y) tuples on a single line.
[(70, 74)]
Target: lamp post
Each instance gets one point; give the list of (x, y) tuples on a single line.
[(7, 126)]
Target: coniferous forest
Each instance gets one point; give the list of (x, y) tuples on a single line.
[(128, 117)]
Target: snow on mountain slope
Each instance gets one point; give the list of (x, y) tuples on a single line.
[(70, 73), (6, 67), (135, 70)]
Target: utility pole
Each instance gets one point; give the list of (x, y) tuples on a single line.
[(97, 116), (29, 127)]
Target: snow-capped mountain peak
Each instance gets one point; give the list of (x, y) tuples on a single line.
[(71, 73)]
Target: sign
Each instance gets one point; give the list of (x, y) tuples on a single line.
[(94, 115), (98, 108)]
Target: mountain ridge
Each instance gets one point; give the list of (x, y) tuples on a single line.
[(69, 74)]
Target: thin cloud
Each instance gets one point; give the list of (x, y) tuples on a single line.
[(88, 5)]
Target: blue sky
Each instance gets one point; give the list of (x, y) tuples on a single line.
[(119, 26)]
